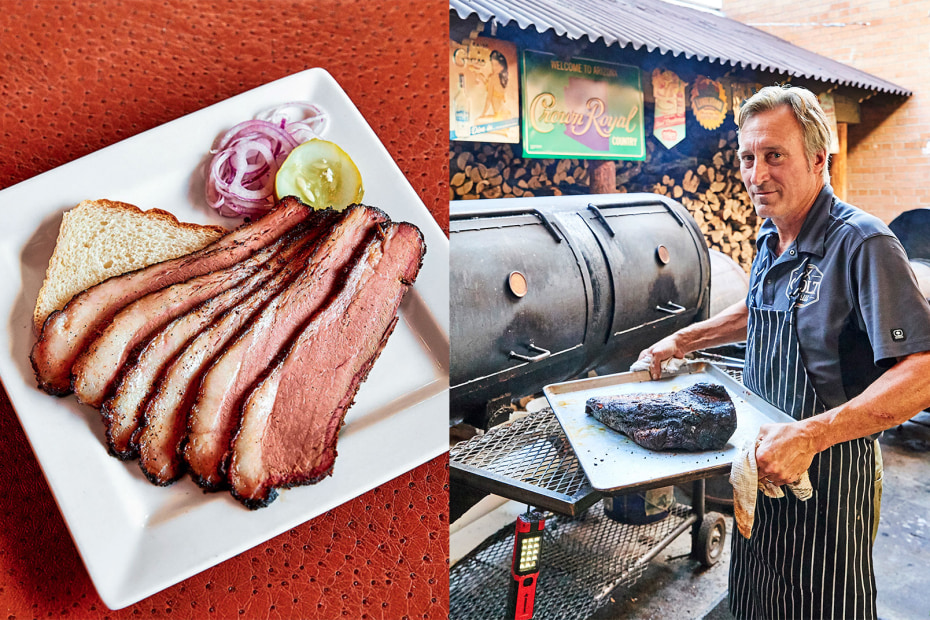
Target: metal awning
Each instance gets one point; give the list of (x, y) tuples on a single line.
[(673, 29)]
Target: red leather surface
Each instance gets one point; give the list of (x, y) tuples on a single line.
[(77, 76)]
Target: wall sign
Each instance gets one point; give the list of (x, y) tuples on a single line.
[(739, 93), (708, 102), (669, 93), (483, 93), (579, 107)]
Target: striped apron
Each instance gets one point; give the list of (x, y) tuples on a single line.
[(808, 559)]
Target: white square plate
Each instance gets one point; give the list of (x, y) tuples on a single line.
[(135, 538)]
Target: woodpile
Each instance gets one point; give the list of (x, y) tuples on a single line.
[(714, 194), (706, 182), (492, 171)]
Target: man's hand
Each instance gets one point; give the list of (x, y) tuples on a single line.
[(665, 349), (783, 452), (727, 326)]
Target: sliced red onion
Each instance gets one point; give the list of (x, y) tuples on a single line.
[(240, 176), (298, 113)]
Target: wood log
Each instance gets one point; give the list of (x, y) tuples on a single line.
[(708, 184), (604, 177)]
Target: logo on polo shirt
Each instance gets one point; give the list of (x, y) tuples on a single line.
[(897, 334), (810, 281)]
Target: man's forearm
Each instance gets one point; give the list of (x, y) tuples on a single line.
[(785, 451), (895, 397), (726, 326), (729, 325)]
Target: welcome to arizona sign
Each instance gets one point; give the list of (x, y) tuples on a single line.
[(581, 108)]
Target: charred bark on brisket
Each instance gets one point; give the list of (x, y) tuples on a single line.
[(700, 417)]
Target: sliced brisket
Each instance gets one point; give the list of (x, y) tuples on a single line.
[(700, 417), (214, 413), (122, 410), (163, 421), (67, 332), (96, 368), (290, 421)]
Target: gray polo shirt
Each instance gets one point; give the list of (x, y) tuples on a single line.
[(860, 308)]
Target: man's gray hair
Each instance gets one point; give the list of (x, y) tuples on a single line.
[(807, 110)]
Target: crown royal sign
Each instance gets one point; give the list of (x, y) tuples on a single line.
[(580, 107)]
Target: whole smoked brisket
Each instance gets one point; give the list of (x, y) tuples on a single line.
[(700, 417)]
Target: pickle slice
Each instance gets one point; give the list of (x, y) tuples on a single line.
[(320, 174)]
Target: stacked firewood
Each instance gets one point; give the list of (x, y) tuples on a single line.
[(714, 194), (492, 171), (707, 183)]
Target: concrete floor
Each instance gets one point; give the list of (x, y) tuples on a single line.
[(675, 586)]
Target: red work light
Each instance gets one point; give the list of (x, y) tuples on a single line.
[(524, 569)]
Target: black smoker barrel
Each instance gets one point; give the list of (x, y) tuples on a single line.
[(546, 289), (912, 228)]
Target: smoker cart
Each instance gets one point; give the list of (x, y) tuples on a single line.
[(543, 290), (585, 554)]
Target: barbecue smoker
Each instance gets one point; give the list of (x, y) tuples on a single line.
[(547, 289)]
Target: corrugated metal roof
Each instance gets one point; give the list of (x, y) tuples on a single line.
[(672, 29)]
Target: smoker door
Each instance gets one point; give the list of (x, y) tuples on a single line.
[(660, 271), (518, 308)]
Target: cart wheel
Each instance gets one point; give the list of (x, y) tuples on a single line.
[(708, 546)]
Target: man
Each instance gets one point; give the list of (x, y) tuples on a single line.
[(837, 337)]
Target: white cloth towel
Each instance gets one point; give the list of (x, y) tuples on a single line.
[(670, 365), (744, 477)]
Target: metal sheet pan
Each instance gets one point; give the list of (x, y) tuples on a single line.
[(615, 465)]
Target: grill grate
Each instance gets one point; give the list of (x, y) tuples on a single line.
[(530, 460), (532, 450), (583, 560)]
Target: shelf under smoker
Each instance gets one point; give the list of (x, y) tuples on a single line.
[(528, 460), (583, 560)]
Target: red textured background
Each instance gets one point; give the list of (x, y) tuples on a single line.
[(77, 76)]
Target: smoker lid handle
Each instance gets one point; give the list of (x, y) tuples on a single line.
[(600, 217), (674, 214), (543, 354), (673, 309)]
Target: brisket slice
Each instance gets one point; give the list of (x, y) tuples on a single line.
[(163, 421), (95, 369), (213, 415), (700, 417), (68, 331), (290, 421), (122, 410)]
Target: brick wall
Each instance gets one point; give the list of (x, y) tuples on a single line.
[(889, 151)]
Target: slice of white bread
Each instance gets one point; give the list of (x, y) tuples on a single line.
[(99, 239)]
